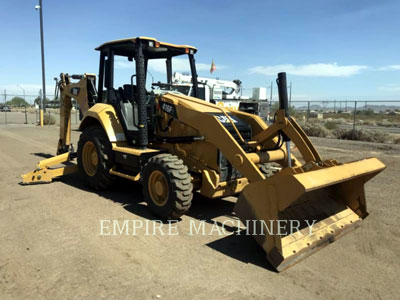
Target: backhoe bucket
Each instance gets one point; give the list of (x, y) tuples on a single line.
[(293, 215)]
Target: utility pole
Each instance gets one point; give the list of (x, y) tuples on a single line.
[(270, 98), (42, 104), (270, 105), (355, 112), (41, 115), (5, 100), (290, 94)]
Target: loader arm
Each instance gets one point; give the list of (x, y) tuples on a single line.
[(204, 117), (208, 119)]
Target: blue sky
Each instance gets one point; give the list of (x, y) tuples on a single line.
[(330, 49)]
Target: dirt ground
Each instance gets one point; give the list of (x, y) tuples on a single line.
[(50, 246)]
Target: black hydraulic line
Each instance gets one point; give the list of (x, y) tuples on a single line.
[(178, 139)]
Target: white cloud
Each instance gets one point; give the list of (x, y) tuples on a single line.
[(390, 68), (318, 70), (395, 88)]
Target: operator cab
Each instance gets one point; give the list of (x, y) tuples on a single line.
[(134, 104)]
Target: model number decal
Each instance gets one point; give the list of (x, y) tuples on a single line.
[(168, 108), (75, 91), (225, 119)]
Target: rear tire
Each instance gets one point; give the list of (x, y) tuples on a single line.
[(95, 158), (167, 186)]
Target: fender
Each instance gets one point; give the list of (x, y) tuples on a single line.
[(105, 115)]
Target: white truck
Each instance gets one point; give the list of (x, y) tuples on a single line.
[(224, 93)]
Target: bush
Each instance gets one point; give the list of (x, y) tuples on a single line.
[(315, 130), (386, 123), (17, 101), (362, 135), (369, 112), (49, 119), (331, 125), (369, 122), (340, 121)]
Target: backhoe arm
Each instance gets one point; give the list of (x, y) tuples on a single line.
[(82, 91)]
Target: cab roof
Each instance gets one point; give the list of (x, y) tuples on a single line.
[(125, 47)]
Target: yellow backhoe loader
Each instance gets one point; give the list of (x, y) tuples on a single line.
[(176, 144)]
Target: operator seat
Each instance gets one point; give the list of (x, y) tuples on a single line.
[(130, 92), (129, 110)]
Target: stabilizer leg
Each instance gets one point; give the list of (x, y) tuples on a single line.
[(45, 174)]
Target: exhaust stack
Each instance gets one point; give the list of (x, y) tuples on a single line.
[(284, 104)]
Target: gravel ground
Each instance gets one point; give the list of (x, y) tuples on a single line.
[(50, 246)]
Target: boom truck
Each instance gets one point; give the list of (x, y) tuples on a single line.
[(224, 93), (175, 145)]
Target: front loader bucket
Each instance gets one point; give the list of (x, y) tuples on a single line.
[(293, 215)]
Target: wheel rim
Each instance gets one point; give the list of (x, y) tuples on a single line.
[(90, 159), (158, 188)]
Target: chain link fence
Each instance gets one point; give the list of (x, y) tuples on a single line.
[(26, 111), (375, 121), (331, 115), (30, 115), (382, 115)]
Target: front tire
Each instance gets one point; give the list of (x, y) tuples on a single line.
[(95, 158), (167, 186)]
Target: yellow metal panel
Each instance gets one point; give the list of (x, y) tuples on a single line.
[(126, 176), (107, 117), (133, 40), (132, 150), (337, 174)]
